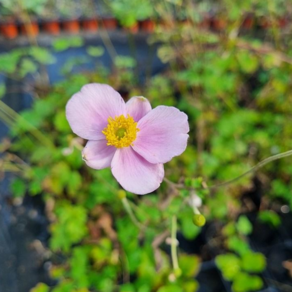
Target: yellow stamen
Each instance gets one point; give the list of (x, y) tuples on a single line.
[(121, 131)]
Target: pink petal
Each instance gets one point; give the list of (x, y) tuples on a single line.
[(163, 134), (137, 107), (134, 173), (88, 110), (97, 154)]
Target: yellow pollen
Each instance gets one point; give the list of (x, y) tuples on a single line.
[(121, 131)]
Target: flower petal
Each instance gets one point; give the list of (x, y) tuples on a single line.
[(163, 134), (88, 110), (97, 154), (134, 173), (137, 107)]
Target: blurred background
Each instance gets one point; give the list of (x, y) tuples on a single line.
[(67, 228)]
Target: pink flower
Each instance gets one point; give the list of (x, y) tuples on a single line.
[(131, 138)]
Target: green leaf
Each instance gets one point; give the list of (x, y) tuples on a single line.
[(170, 288), (190, 286), (64, 286), (79, 266), (229, 229), (270, 217), (245, 283), (62, 44), (27, 66), (40, 287), (125, 62), (35, 187), (9, 61), (247, 61), (95, 51), (18, 187), (42, 55), (69, 228), (229, 264), (61, 122), (188, 228), (189, 265), (74, 183), (237, 244), (243, 225), (127, 288), (253, 262)]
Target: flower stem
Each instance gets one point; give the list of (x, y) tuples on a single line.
[(10, 113), (174, 243), (196, 210), (251, 170), (254, 168), (131, 214)]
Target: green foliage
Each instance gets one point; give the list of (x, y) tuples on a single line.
[(270, 217), (40, 287), (244, 226), (189, 265), (128, 12), (125, 62), (188, 228), (244, 282), (95, 51), (253, 262), (229, 264), (62, 44), (22, 61), (236, 90), (233, 269), (18, 187), (70, 228), (237, 244)]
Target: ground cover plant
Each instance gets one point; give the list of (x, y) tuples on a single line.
[(230, 73)]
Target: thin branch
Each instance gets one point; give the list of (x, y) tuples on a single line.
[(131, 214), (251, 170), (174, 243)]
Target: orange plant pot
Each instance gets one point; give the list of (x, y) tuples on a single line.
[(147, 25), (52, 27), (109, 23), (282, 22), (71, 26), (90, 24), (218, 23), (30, 29), (9, 30), (248, 22)]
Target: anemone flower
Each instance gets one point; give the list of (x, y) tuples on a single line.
[(131, 138)]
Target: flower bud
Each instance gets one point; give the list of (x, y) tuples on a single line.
[(199, 220), (122, 194)]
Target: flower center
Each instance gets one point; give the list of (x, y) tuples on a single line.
[(121, 131)]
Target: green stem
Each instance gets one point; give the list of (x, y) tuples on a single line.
[(196, 211), (251, 170), (6, 119), (108, 43), (174, 243), (34, 131), (254, 169), (131, 214)]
